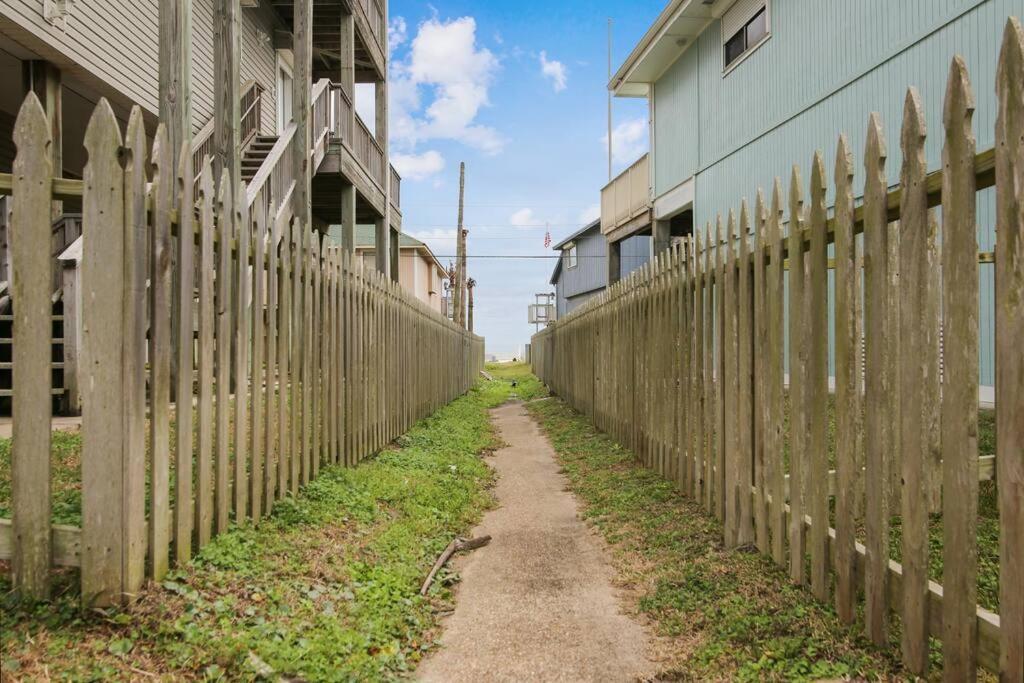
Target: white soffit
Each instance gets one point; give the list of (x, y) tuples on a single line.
[(671, 34)]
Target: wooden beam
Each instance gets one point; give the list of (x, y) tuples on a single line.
[(44, 79), (302, 30), (175, 87), (227, 45)]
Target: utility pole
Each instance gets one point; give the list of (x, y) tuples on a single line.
[(470, 284), (460, 254)]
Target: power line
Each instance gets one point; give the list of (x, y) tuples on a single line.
[(517, 256)]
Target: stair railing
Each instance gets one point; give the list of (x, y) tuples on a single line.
[(273, 177), (251, 105)]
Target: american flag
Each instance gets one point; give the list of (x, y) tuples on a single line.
[(547, 240)]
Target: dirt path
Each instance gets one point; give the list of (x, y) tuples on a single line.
[(537, 604)]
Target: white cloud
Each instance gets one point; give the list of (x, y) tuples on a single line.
[(554, 70), (590, 214), (398, 33), (524, 218), (446, 62), (418, 166), (629, 141), (434, 234)]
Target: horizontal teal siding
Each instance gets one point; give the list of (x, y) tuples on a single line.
[(827, 66)]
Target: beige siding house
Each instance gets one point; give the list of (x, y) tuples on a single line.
[(73, 53), (419, 271), (109, 49)]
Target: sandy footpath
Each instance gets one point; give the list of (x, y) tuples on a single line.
[(537, 604)]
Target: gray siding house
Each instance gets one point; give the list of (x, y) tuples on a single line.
[(580, 273)]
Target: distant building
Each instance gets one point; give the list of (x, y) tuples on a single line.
[(582, 271), (419, 271)]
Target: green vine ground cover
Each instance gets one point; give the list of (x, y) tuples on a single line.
[(327, 588)]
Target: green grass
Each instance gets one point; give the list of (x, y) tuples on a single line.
[(325, 589), (719, 614)]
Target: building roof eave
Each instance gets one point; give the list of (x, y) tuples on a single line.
[(675, 30)]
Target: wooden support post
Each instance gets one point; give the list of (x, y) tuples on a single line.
[(395, 252), (347, 76), (175, 85), (382, 245), (44, 79), (226, 44), (614, 260), (302, 47), (175, 97), (348, 218), (662, 232)]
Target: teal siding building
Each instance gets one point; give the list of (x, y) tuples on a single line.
[(741, 90)]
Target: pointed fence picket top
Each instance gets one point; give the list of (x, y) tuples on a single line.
[(915, 452)]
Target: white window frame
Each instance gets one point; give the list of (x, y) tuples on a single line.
[(750, 49), (284, 65), (571, 256)]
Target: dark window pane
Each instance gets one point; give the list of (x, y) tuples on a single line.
[(734, 47), (757, 28)]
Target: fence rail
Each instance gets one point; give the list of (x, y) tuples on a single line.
[(300, 358), (683, 362)]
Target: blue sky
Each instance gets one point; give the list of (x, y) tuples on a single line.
[(517, 91)]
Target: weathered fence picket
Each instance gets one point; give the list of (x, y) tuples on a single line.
[(30, 257), (750, 312), (303, 359)]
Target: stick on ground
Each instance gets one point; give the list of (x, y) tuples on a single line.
[(457, 544)]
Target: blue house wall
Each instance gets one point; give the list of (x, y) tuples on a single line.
[(826, 66)]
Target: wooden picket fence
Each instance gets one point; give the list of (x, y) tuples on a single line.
[(683, 362), (305, 359)]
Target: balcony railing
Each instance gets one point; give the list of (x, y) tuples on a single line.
[(627, 196), (375, 17), (396, 189), (368, 152)]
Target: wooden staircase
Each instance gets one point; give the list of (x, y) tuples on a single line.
[(255, 155), (57, 383)]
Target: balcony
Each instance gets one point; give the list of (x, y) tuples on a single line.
[(626, 201)]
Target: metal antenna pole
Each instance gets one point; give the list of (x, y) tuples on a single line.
[(609, 99)]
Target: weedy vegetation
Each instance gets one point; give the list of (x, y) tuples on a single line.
[(325, 589)]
